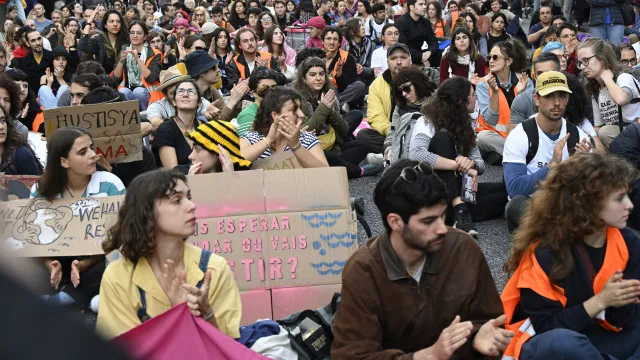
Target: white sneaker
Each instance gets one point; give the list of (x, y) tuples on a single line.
[(94, 303), (373, 158)]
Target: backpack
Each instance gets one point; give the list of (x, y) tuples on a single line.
[(310, 331), (402, 132), (531, 129), (635, 100)]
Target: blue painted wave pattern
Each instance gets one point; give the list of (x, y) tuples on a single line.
[(339, 238), (326, 220), (325, 268)]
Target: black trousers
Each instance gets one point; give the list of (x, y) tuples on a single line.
[(89, 281), (491, 198), (353, 152)]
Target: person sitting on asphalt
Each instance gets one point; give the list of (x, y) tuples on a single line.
[(248, 58), (155, 219), (393, 284), (575, 289), (380, 103), (343, 70), (261, 80), (525, 166), (216, 148)]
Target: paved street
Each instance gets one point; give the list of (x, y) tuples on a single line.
[(494, 238)]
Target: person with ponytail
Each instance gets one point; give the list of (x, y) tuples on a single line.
[(574, 290)]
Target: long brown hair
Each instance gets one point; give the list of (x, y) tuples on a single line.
[(605, 53), (567, 207), (134, 232)]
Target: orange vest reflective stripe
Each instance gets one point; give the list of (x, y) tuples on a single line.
[(154, 94), (438, 28), (530, 275), (504, 114), (454, 17), (343, 56), (261, 54)]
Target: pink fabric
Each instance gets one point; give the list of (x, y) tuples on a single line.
[(289, 52), (176, 334)]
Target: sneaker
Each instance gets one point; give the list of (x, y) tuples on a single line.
[(345, 108), (372, 169), (373, 158), (463, 220)]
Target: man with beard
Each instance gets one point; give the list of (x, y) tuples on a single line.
[(37, 60), (422, 290), (526, 164), (246, 41), (380, 102)]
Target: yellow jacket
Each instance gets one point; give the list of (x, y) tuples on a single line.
[(120, 299), (379, 104)]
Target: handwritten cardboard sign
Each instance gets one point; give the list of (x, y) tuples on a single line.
[(114, 128), (63, 227), (15, 187), (284, 160), (274, 228)]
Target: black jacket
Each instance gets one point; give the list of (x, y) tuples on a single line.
[(234, 75), (349, 72), (414, 34), (627, 144), (35, 71)]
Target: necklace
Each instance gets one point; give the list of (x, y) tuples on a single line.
[(71, 194), (183, 128)]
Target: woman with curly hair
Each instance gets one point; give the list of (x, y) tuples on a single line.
[(238, 14), (278, 128), (575, 292), (158, 268), (445, 138), (462, 58)]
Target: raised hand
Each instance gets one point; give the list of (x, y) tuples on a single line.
[(195, 168), (491, 339), (172, 281), (328, 98), (522, 83), (198, 299), (225, 160)]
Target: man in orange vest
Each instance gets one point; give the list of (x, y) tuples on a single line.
[(342, 69), (246, 42), (420, 290)]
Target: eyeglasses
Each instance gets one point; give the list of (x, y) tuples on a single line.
[(580, 64), (183, 91), (265, 20), (406, 88), (627, 62), (410, 173)]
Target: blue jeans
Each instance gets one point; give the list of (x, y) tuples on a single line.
[(564, 344), (610, 33), (46, 97), (141, 94)]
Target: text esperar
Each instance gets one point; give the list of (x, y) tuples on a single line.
[(98, 119)]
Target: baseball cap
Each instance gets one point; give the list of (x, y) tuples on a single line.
[(396, 46), (550, 82)]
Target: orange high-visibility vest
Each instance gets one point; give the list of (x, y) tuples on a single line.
[(261, 54), (38, 120), (504, 113), (154, 94), (530, 275), (454, 17), (343, 56), (438, 28)]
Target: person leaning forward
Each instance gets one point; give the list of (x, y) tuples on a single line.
[(421, 290)]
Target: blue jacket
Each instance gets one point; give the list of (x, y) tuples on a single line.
[(599, 9)]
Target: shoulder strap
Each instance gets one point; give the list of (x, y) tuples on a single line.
[(574, 137), (204, 262), (531, 129), (142, 311), (582, 252)]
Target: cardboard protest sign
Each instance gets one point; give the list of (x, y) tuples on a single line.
[(300, 231), (114, 127), (284, 160), (15, 187), (63, 227)]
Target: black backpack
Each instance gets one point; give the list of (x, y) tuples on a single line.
[(531, 129)]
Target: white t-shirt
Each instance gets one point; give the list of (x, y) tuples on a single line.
[(251, 66), (377, 28), (516, 147), (379, 59), (605, 111), (586, 126)]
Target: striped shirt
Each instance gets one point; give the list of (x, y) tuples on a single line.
[(307, 139), (102, 184)]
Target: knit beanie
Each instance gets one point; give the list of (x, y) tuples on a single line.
[(213, 133)]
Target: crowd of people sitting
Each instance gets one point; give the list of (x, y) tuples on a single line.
[(429, 93)]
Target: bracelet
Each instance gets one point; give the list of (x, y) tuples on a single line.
[(266, 142), (295, 148), (208, 317)]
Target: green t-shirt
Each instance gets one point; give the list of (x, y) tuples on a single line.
[(246, 118)]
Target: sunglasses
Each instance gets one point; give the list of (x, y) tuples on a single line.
[(410, 174), (406, 88), (493, 57), (199, 48)]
